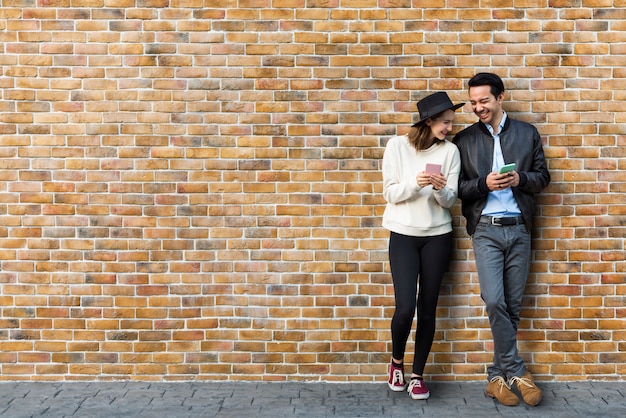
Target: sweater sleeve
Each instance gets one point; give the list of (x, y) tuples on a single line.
[(447, 196), (395, 188)]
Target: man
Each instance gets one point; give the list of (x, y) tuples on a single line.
[(498, 209)]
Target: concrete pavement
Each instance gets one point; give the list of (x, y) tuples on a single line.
[(293, 399)]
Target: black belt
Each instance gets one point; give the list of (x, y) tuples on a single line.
[(501, 221)]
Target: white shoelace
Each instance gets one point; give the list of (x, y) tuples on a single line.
[(521, 380), (398, 376), (502, 382), (414, 382)]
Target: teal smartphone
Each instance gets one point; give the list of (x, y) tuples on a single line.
[(507, 168)]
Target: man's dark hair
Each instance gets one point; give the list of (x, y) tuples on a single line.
[(488, 79)]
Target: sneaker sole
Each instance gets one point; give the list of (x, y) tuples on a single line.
[(396, 388), (420, 397)]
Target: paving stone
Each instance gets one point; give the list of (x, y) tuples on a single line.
[(286, 399)]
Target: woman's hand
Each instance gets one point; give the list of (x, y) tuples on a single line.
[(438, 181)]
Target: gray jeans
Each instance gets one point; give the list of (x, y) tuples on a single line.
[(502, 256)]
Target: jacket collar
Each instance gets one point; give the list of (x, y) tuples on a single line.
[(484, 128)]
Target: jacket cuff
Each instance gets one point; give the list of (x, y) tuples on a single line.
[(523, 179), (482, 185)]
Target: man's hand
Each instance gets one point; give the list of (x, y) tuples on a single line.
[(497, 181)]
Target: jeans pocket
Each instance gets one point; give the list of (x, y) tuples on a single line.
[(480, 227)]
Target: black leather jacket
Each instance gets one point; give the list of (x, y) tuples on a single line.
[(520, 144)]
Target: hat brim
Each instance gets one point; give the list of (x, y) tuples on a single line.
[(438, 111)]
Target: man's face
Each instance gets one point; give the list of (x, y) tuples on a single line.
[(487, 107)]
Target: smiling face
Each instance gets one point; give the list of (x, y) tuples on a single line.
[(486, 106), (441, 125)]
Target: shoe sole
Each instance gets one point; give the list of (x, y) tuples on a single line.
[(396, 388), (491, 395), (420, 397), (531, 403)]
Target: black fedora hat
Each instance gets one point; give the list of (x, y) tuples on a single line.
[(434, 104)]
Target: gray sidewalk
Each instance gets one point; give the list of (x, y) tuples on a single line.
[(254, 399)]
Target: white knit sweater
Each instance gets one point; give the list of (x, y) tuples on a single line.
[(411, 209)]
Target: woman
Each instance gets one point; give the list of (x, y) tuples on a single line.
[(420, 182)]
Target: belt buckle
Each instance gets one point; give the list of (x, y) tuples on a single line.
[(496, 221)]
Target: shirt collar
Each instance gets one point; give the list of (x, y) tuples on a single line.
[(502, 122)]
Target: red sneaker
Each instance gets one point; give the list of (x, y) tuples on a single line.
[(418, 390), (396, 380)]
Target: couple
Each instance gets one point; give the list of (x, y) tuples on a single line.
[(422, 175)]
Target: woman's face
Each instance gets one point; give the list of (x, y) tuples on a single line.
[(442, 125)]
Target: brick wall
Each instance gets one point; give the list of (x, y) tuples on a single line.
[(191, 189)]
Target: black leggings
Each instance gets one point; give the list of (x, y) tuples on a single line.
[(410, 257)]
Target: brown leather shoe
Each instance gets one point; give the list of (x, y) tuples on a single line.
[(531, 394), (499, 389)]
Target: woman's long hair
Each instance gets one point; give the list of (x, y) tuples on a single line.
[(419, 135)]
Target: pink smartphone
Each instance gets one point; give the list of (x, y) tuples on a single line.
[(433, 168)]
